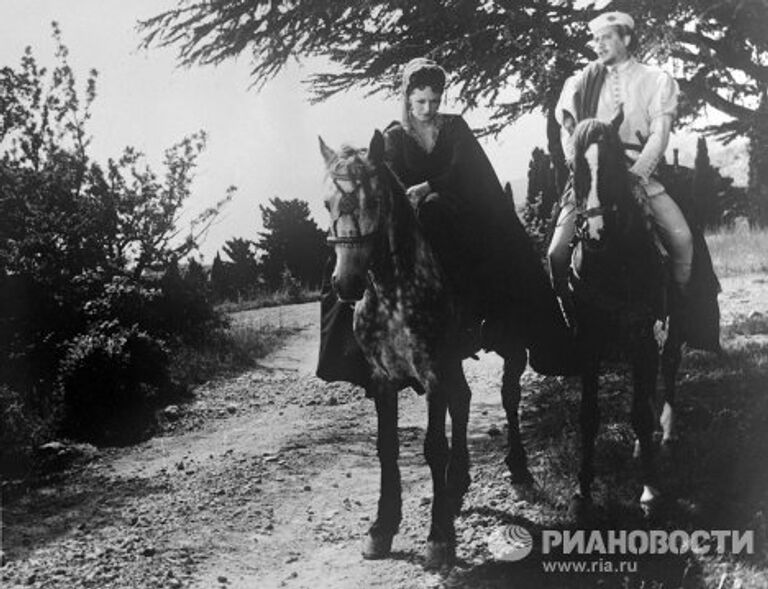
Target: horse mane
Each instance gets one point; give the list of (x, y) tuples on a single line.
[(349, 163), (403, 226)]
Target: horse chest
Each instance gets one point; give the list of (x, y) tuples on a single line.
[(398, 335)]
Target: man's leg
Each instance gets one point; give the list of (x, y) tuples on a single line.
[(559, 253), (675, 235)]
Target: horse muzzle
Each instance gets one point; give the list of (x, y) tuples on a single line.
[(349, 288)]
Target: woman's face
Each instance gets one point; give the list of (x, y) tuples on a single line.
[(424, 103)]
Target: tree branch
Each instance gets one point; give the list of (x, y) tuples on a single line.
[(726, 53), (697, 87)]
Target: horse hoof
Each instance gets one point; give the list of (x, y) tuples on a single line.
[(377, 547), (440, 555), (650, 501), (522, 492), (669, 441), (581, 509), (667, 448), (521, 483)]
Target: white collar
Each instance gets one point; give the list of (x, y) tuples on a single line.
[(623, 67)]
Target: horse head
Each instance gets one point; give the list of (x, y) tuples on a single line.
[(355, 205), (600, 179), (614, 252)]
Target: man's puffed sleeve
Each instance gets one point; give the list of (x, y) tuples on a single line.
[(662, 109)]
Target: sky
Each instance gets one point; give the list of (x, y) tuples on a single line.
[(265, 143)]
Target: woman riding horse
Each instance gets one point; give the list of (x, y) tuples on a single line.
[(480, 243), (407, 327)]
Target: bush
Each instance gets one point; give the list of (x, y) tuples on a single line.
[(22, 428), (536, 224), (85, 318), (226, 351), (290, 285), (107, 379)]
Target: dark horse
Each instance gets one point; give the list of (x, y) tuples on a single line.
[(622, 288), (408, 326)]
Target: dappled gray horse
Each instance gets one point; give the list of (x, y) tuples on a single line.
[(408, 326)]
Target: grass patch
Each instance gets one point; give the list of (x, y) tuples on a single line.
[(284, 296), (755, 324), (715, 478), (739, 250), (226, 351)]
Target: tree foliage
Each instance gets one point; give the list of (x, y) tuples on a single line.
[(83, 325), (720, 47), (511, 55), (541, 197), (242, 273), (291, 241), (703, 189)]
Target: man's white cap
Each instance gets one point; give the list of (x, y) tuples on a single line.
[(608, 19)]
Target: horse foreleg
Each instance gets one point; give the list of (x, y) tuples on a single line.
[(441, 542), (589, 421), (459, 397), (389, 514), (516, 459), (670, 362), (644, 370)]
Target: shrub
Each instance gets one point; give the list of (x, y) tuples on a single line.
[(22, 428), (107, 377), (290, 285), (85, 319)]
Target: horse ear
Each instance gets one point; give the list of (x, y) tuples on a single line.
[(618, 118), (328, 154), (376, 148)]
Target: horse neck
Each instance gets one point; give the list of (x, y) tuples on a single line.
[(405, 253), (636, 252)]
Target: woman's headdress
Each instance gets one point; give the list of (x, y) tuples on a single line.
[(416, 65)]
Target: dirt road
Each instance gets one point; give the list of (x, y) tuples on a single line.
[(270, 479)]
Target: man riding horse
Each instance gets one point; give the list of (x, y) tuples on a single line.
[(648, 97)]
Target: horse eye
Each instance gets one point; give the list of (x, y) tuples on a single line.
[(327, 205)]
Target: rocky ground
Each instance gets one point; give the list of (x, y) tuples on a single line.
[(270, 479)]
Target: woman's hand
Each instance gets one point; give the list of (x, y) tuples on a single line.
[(417, 192)]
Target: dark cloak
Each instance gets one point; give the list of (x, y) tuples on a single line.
[(478, 235)]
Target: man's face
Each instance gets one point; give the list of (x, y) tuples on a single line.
[(610, 45)]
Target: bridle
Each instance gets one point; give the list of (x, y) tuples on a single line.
[(349, 204), (583, 214)]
